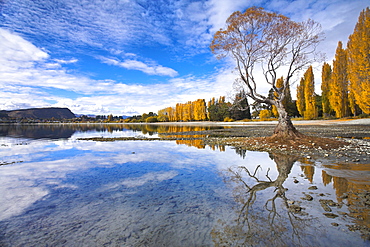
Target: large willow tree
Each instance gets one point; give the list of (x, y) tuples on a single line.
[(268, 45)]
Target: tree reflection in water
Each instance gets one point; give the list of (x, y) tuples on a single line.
[(273, 220)]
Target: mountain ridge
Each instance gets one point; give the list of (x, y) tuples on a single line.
[(40, 113)]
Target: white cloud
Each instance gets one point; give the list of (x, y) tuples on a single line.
[(29, 73), (17, 52), (150, 69), (31, 86), (219, 11), (148, 177), (94, 23), (63, 61), (337, 17)]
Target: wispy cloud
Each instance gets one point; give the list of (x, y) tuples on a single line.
[(190, 24), (64, 61), (17, 52), (28, 74), (150, 69), (140, 181), (115, 24), (40, 43), (337, 17), (106, 24)]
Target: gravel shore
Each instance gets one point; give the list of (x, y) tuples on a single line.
[(354, 134)]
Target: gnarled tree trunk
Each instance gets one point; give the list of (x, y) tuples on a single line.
[(285, 128)]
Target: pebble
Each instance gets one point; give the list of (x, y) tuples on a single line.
[(295, 208), (307, 197), (330, 215), (312, 187), (325, 207)]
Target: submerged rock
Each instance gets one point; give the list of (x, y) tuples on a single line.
[(312, 187), (325, 207), (295, 208), (330, 215), (307, 197)]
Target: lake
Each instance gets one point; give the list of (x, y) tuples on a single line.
[(59, 190)]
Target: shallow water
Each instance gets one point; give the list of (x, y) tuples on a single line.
[(57, 190)]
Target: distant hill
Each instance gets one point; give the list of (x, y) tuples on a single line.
[(41, 113)]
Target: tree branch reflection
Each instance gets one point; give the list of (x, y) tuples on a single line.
[(262, 219)]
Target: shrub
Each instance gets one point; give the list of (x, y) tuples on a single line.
[(228, 119), (363, 115), (264, 114), (151, 119)]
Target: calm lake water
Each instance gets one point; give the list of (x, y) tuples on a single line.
[(56, 190)]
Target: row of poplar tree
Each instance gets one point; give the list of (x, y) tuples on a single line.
[(346, 84), (213, 110), (345, 89)]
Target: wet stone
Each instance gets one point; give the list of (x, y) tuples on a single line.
[(295, 208), (330, 215), (312, 187), (325, 207), (330, 203), (307, 197)]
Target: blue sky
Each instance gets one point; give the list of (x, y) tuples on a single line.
[(128, 57)]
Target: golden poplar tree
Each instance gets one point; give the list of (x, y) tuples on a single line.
[(188, 111), (309, 95), (339, 83), (200, 110), (172, 114), (358, 48), (179, 113), (301, 106), (325, 83), (352, 101)]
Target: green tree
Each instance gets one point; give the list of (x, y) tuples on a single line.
[(218, 110), (240, 108)]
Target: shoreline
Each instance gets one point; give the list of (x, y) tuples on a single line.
[(361, 121)]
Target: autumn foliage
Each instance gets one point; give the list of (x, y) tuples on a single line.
[(346, 85), (190, 111), (358, 50), (258, 38)]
